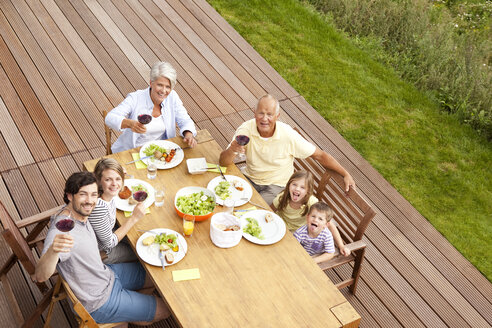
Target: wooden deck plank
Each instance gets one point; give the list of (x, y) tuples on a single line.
[(54, 179), (190, 27), (265, 85), (109, 56), (89, 115), (248, 50), (62, 97), (17, 112), (40, 87), (13, 137), (7, 162), (31, 103), (211, 83), (187, 89), (90, 62)]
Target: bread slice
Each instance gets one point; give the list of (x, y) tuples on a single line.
[(268, 217), (169, 258)]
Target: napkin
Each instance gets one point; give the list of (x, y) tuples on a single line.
[(239, 213), (128, 214), (188, 274), (139, 164), (213, 168)]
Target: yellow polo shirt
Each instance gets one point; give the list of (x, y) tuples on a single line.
[(271, 160), (292, 217)]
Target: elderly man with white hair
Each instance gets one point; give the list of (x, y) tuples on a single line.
[(271, 151), (162, 103)]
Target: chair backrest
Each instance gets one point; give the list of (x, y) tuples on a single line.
[(352, 213), (107, 131), (22, 245)]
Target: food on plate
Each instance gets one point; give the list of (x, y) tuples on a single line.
[(159, 153), (222, 190), (164, 247), (169, 258), (268, 217), (196, 204), (132, 201), (125, 193), (138, 187), (238, 185), (253, 228), (220, 226), (148, 241)]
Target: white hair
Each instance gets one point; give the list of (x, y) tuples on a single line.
[(163, 69), (269, 96)]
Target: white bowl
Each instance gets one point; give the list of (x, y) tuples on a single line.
[(225, 239), (197, 165)]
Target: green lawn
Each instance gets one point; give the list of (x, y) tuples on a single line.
[(437, 164)]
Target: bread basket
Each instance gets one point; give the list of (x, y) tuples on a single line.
[(225, 239)]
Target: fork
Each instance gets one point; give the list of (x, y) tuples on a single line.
[(254, 204)]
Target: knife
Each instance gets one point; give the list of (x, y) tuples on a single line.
[(220, 170), (139, 159)]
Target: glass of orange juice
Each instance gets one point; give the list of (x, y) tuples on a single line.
[(188, 224)]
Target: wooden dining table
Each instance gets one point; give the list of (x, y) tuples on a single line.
[(248, 285)]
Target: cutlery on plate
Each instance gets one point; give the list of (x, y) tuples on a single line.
[(150, 231), (220, 170), (162, 256), (139, 159), (254, 204)]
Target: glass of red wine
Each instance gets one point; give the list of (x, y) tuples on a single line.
[(145, 118), (65, 223), (140, 196), (242, 140)]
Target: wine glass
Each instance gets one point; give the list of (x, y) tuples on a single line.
[(65, 223), (140, 195), (144, 118), (242, 140)]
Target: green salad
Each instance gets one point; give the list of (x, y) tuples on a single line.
[(168, 239), (222, 190), (253, 228), (150, 150), (196, 204), (138, 188)]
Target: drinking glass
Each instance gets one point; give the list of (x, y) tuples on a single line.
[(242, 140), (144, 118), (65, 223), (188, 224), (229, 206), (151, 169), (159, 196)]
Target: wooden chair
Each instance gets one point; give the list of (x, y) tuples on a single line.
[(62, 291), (22, 252), (352, 215), (107, 130)]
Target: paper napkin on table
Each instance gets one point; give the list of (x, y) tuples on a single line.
[(239, 213), (139, 164), (214, 168), (128, 214), (188, 274)]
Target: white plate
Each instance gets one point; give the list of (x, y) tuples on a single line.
[(235, 194), (151, 256), (168, 145), (273, 231), (122, 204)]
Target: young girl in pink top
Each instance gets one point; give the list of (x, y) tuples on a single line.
[(293, 203)]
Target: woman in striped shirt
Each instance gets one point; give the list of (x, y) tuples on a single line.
[(110, 178)]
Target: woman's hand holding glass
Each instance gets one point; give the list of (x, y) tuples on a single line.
[(138, 211)]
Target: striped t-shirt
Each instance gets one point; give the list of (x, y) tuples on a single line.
[(103, 219), (323, 243)]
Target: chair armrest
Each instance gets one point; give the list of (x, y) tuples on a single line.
[(356, 245)]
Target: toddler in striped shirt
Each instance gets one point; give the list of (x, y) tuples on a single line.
[(314, 236)]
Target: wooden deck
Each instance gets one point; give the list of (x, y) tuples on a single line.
[(62, 62)]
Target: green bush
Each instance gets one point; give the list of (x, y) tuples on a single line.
[(441, 46)]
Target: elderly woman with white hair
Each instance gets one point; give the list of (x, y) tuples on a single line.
[(162, 103)]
